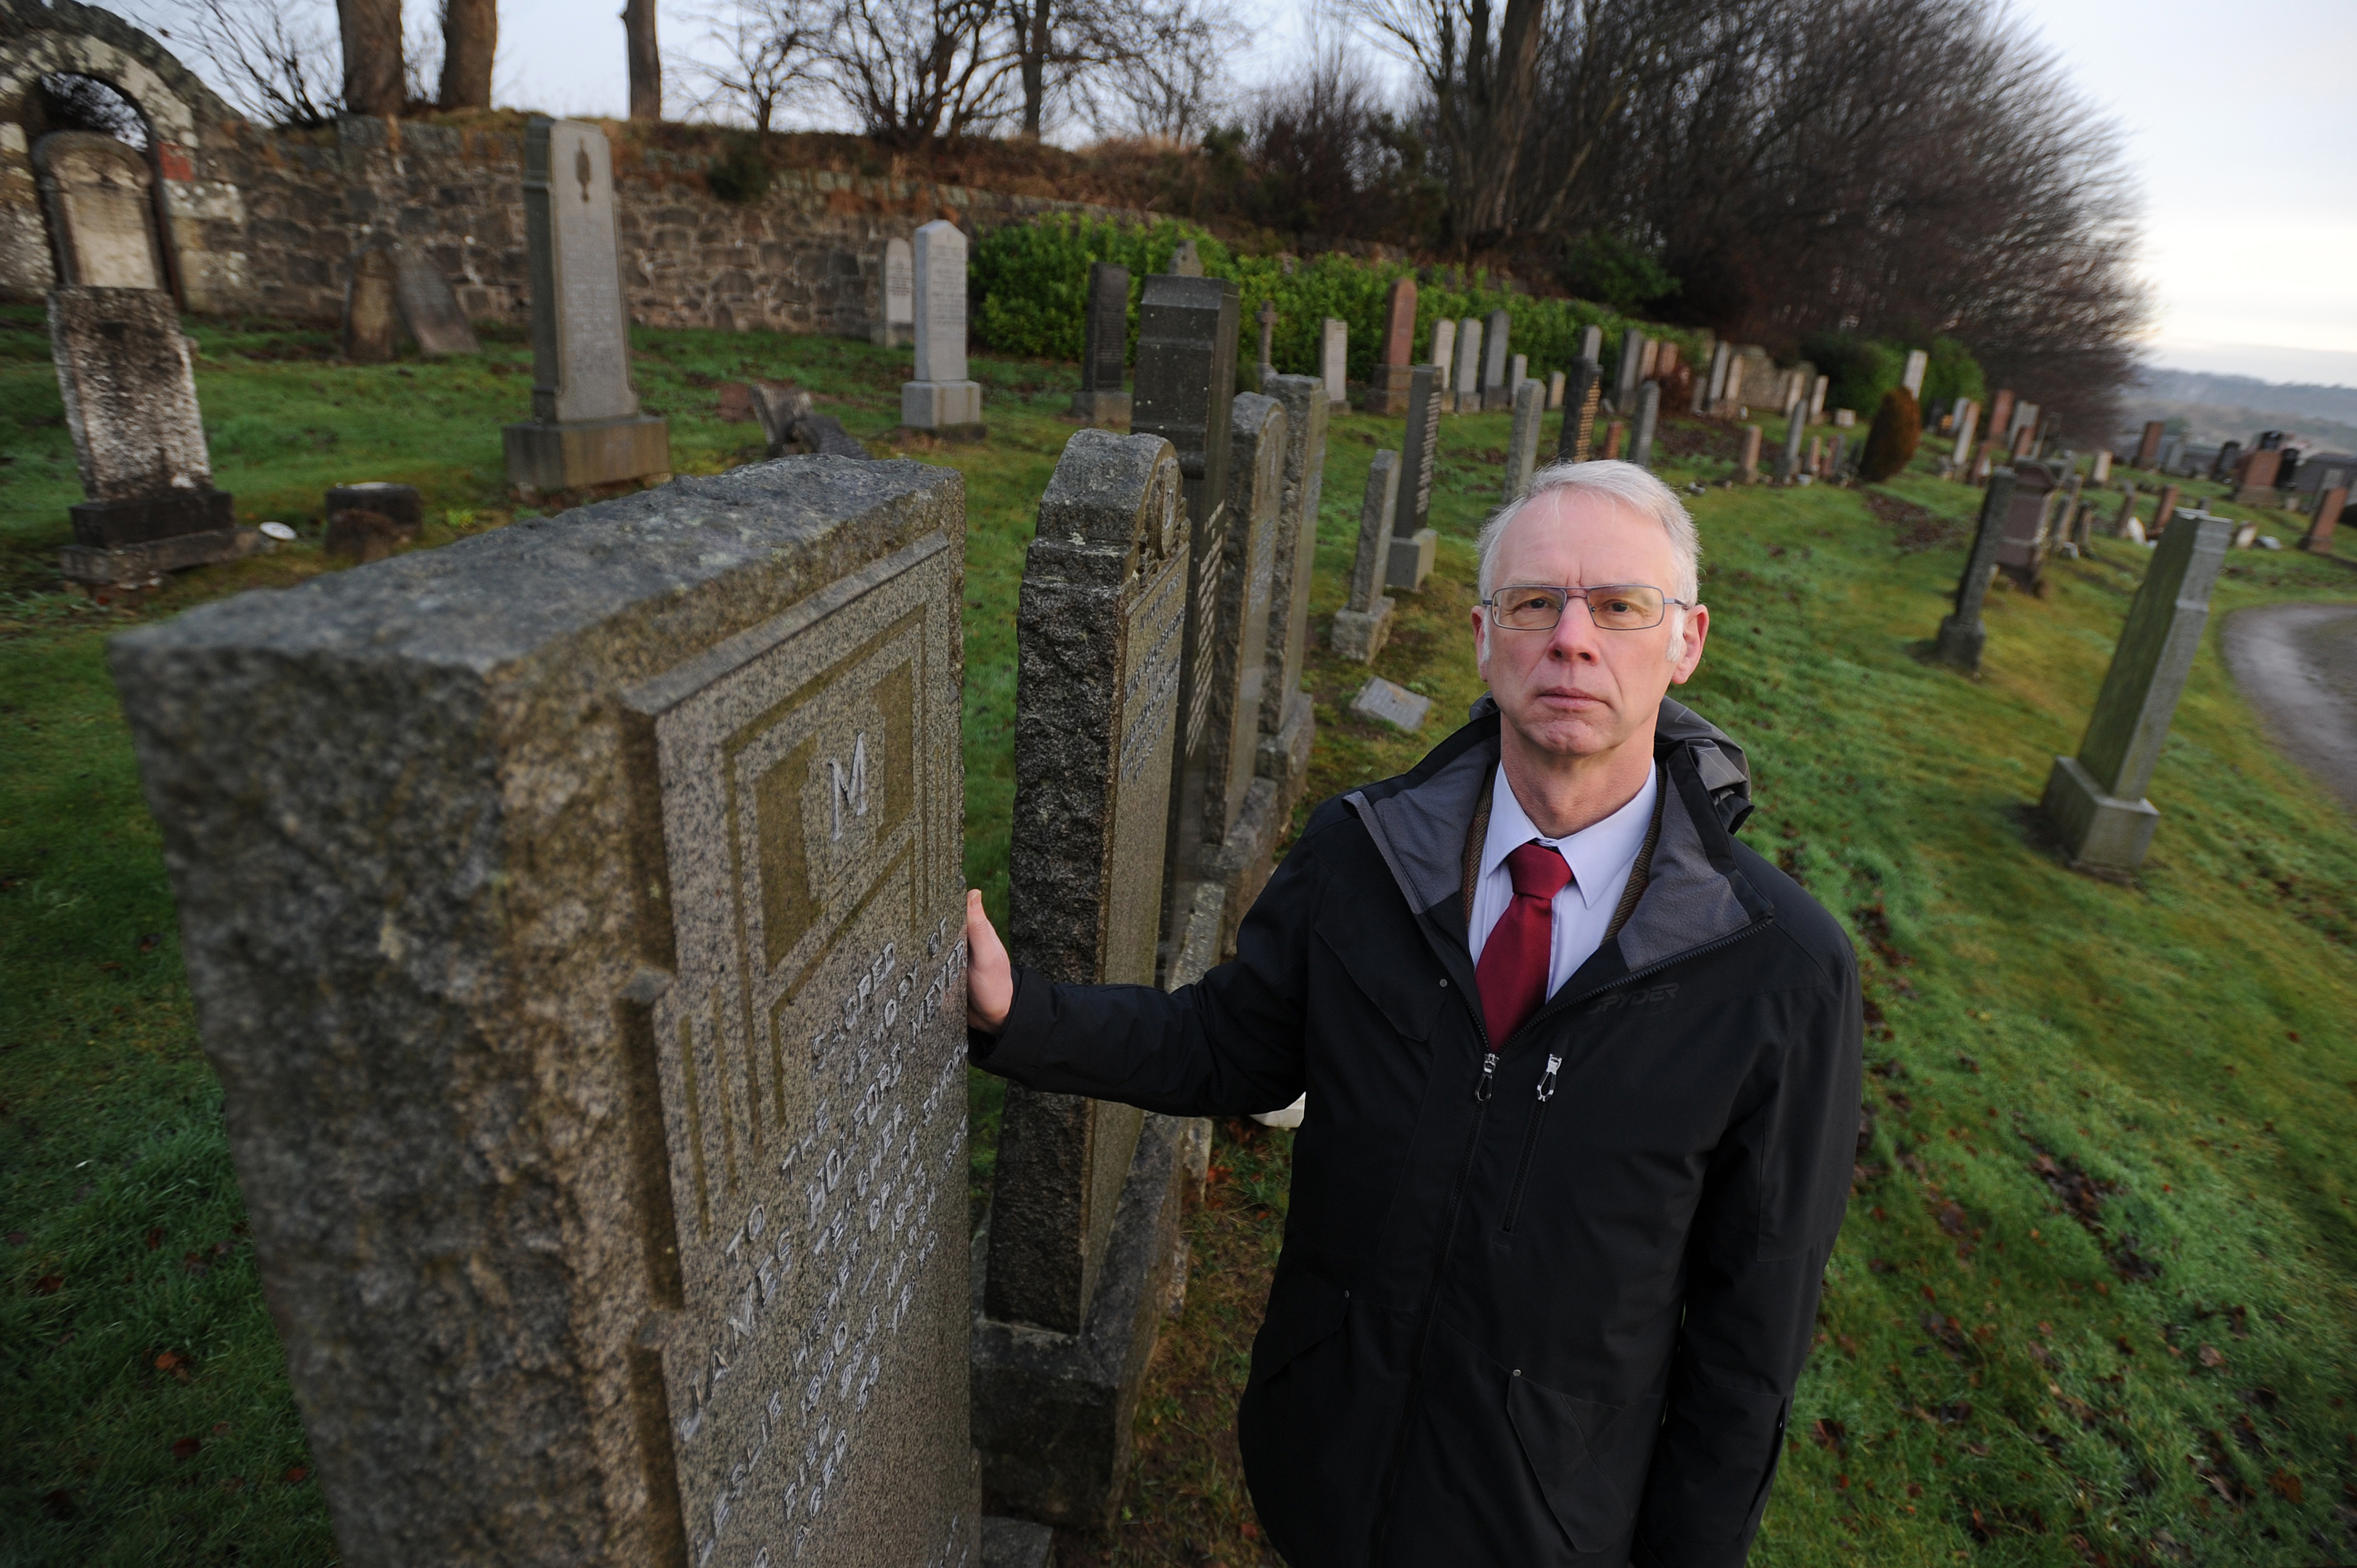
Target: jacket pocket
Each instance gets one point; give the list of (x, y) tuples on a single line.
[(1563, 1439), (1408, 994), (1302, 1310)]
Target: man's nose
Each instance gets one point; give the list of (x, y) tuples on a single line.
[(1575, 633)]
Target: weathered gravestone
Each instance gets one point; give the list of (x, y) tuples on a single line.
[(1392, 703), (2322, 524), (1186, 261), (1788, 460), (1186, 384), (1105, 351), (1467, 379), (2095, 800), (371, 318), (1591, 344), (1415, 545), (1720, 357), (895, 328), (1649, 360), (1963, 634), (1823, 385), (1747, 466), (2000, 415), (592, 1033), (1627, 373), (2148, 444), (1911, 377), (1235, 837), (2100, 471), (130, 396), (1288, 722), (1362, 627), (95, 191), (1497, 392), (430, 309), (1649, 416), (1968, 415), (1555, 389), (586, 428), (939, 397), (1334, 359), (1395, 360), (1582, 396), (2029, 530), (2256, 485), (1084, 1208), (1444, 355), (369, 519), (1522, 447), (1266, 317), (1412, 544), (1518, 370)]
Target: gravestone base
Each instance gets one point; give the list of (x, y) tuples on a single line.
[(2100, 834), (1360, 634), (1497, 399), (144, 519), (1387, 393), (1105, 410), (1960, 644), (1052, 1412), (940, 406), (1284, 757), (144, 565), (2258, 495), (1017, 1543), (580, 455), (892, 334), (1410, 561), (400, 503)]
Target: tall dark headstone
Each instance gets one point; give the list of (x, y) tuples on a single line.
[(130, 394), (593, 1034), (1186, 387), (2148, 445), (1582, 397), (1962, 634), (2095, 800), (1084, 1205), (1364, 625), (1522, 447), (1415, 545), (1237, 834), (1104, 348), (1395, 357), (1649, 416), (1497, 388), (2029, 531), (1288, 721)]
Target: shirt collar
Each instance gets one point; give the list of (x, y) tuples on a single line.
[(1598, 853)]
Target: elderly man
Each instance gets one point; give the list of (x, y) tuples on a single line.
[(1583, 1084)]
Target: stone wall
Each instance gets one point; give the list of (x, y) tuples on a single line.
[(266, 223)]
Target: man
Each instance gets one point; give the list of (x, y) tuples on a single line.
[(1583, 1086)]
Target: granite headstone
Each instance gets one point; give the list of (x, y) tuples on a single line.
[(1288, 723), (1364, 625), (96, 192), (1104, 349), (940, 397)]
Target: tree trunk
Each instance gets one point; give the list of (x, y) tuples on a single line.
[(470, 35), (372, 37), (1034, 31), (646, 61)]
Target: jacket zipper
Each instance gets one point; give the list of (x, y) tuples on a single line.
[(1530, 1143)]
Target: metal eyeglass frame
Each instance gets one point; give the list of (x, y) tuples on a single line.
[(1569, 594)]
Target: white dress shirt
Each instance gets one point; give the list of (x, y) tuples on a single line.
[(1601, 855)]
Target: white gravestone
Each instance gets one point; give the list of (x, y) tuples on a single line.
[(1334, 359), (1468, 379), (899, 324), (1444, 353), (940, 397)]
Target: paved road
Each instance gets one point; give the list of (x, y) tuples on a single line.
[(2298, 665)]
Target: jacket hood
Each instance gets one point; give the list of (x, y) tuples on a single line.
[(1695, 893)]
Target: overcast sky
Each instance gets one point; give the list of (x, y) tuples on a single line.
[(2237, 113)]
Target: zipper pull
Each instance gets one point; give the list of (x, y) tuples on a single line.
[(1546, 1084), (1489, 1068)]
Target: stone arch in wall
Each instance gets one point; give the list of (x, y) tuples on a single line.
[(200, 221)]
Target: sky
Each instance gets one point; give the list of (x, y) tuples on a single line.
[(2234, 112)]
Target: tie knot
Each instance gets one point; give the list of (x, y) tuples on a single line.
[(1539, 870)]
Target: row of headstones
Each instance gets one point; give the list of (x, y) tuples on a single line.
[(593, 1034)]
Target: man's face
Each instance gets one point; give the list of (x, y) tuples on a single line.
[(1578, 691)]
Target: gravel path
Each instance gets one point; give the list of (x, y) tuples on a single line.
[(2298, 665)]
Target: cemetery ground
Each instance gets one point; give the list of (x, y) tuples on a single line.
[(2093, 1301)]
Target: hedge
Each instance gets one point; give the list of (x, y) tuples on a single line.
[(1032, 281)]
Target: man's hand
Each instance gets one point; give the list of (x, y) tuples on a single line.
[(989, 978)]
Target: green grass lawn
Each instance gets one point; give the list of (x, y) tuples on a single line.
[(2093, 1304)]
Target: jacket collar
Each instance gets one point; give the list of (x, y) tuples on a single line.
[(1696, 895)]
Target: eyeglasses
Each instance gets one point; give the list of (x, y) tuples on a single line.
[(1617, 606)]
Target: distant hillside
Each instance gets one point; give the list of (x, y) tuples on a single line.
[(2208, 409)]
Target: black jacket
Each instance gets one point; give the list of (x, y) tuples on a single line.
[(1541, 1300)]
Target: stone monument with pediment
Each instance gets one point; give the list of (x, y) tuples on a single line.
[(939, 397), (586, 428), (593, 1034), (98, 195)]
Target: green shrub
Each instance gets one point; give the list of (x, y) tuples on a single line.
[(1954, 374), (1891, 445), (1604, 265), (1032, 280), (1859, 370)]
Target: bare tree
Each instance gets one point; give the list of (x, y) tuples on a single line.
[(646, 59), (1057, 42), (917, 71), (769, 55), (374, 82), (1163, 74), (470, 37), (278, 62)]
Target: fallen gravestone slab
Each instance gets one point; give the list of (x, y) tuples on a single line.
[(1392, 703)]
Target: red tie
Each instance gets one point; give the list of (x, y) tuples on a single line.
[(1512, 973)]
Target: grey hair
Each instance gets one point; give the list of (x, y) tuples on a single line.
[(1632, 486)]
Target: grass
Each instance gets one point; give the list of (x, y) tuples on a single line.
[(2093, 1302)]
